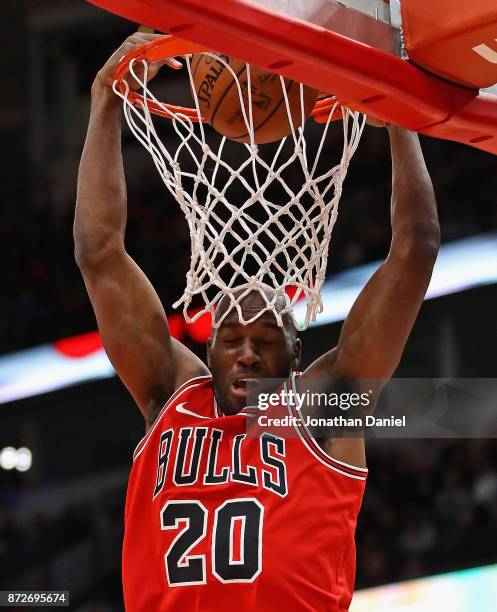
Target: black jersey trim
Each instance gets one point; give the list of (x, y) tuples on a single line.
[(313, 447)]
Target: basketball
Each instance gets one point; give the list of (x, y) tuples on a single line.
[(219, 99)]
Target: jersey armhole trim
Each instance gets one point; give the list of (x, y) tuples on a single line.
[(192, 382), (308, 440)]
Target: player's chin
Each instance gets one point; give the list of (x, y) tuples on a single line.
[(236, 400)]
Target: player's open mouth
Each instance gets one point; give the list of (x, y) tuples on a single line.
[(239, 386)]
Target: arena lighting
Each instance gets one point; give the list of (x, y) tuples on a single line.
[(20, 459), (8, 458), (24, 459), (461, 265), (463, 591)]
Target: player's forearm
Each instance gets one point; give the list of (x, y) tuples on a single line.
[(415, 227), (100, 217)]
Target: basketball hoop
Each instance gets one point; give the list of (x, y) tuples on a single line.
[(261, 218), (170, 46)]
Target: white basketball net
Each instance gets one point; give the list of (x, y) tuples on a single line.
[(258, 224)]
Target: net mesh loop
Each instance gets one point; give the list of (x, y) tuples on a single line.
[(260, 218)]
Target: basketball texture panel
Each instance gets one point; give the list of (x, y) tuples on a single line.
[(220, 103)]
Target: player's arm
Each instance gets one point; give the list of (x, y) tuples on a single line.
[(376, 330), (130, 317)]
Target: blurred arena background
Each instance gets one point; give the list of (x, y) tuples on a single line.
[(430, 505)]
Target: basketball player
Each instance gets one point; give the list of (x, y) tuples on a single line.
[(216, 520)]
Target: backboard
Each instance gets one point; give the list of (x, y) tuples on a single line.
[(351, 49)]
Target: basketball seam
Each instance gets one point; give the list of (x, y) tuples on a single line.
[(225, 93), (266, 119)]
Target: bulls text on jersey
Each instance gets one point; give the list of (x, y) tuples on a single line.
[(178, 465)]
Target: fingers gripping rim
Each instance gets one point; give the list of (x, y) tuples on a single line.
[(160, 49), (169, 46)]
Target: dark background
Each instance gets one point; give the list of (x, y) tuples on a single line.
[(430, 505)]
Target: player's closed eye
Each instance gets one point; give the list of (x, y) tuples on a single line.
[(231, 341), (269, 340)]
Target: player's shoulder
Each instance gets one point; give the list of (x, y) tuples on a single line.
[(187, 385), (192, 383), (198, 389)]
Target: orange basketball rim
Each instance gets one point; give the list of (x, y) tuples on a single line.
[(170, 46), (357, 56)]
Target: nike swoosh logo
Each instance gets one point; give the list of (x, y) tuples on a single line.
[(180, 408)]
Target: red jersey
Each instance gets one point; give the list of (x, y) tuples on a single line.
[(216, 520)]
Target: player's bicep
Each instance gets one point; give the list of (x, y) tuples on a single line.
[(379, 323), (135, 332), (376, 330)]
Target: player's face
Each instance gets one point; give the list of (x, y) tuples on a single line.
[(239, 354)]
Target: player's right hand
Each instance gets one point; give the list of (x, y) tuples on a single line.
[(106, 75)]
